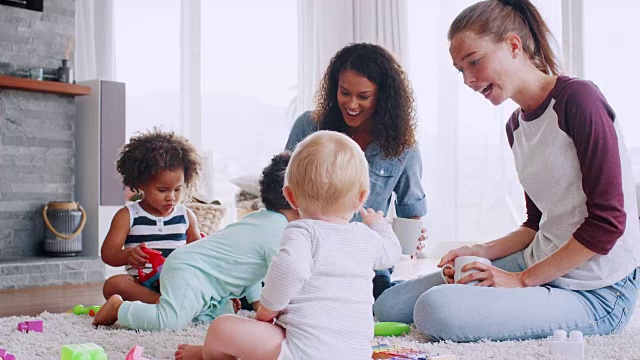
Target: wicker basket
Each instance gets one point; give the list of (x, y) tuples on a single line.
[(209, 216), (247, 203)]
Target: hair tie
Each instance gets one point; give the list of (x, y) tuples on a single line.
[(512, 3)]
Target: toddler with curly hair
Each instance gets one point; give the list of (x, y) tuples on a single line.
[(160, 166)]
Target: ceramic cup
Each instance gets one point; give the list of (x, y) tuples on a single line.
[(408, 232), (459, 263)]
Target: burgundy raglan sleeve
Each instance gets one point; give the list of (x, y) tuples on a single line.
[(588, 119), (533, 214)]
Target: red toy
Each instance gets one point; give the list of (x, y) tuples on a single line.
[(157, 260)]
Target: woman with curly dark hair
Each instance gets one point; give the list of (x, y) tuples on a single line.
[(366, 95), (160, 166)]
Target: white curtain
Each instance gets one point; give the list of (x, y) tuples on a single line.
[(603, 24), (95, 45), (471, 186), (326, 26)]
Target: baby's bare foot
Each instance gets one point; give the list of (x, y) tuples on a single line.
[(108, 314), (188, 352)]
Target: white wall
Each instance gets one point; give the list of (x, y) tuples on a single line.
[(107, 213)]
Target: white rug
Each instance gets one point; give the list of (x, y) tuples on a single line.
[(61, 329)]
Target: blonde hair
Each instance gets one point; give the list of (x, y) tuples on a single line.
[(327, 171)]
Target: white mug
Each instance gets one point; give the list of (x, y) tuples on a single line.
[(408, 232), (459, 263)]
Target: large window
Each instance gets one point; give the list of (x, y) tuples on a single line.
[(610, 31), (249, 74), (148, 62), (248, 83)]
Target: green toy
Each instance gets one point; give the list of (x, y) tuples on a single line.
[(391, 329), (81, 310), (88, 351)]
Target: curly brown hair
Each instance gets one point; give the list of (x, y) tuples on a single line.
[(272, 182), (394, 115), (153, 151)]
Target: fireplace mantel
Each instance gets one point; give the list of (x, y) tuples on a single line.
[(51, 87)]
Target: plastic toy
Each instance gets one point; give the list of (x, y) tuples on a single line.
[(81, 310), (572, 348), (32, 325), (391, 329), (392, 352), (6, 356), (88, 351), (136, 354), (157, 260)]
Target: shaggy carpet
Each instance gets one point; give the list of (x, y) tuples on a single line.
[(61, 329)]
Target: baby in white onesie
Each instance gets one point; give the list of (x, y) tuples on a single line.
[(317, 298)]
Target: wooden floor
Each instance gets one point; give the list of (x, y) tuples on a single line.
[(55, 299), (59, 299)]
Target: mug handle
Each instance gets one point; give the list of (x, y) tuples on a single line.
[(444, 278)]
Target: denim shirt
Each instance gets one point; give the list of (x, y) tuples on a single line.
[(401, 175)]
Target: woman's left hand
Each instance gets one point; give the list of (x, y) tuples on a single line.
[(491, 276)]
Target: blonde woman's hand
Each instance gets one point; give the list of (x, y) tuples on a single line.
[(449, 257), (491, 276), (370, 217)]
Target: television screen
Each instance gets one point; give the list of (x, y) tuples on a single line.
[(25, 4)]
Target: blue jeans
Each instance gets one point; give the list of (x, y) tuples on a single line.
[(464, 313)]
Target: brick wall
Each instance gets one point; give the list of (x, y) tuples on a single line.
[(36, 130)]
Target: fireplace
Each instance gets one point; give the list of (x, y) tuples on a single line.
[(37, 147)]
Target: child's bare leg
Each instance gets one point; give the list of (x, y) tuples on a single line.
[(108, 314), (233, 337), (189, 352), (129, 288)]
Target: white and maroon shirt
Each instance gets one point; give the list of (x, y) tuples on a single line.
[(574, 167)]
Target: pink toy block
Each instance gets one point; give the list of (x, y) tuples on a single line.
[(33, 325), (136, 354), (5, 356)]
